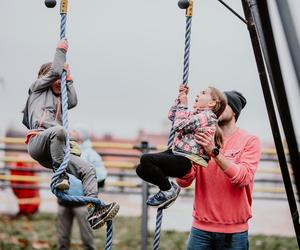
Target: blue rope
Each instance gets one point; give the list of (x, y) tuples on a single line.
[(186, 67), (65, 121), (187, 50), (159, 216), (109, 235)]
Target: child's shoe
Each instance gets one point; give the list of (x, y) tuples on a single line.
[(62, 182), (100, 214), (164, 199)]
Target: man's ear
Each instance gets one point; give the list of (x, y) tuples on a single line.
[(234, 115)]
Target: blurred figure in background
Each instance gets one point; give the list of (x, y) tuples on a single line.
[(28, 198), (81, 145), (82, 137)]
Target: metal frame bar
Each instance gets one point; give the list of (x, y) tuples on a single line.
[(262, 54), (290, 34), (233, 11)]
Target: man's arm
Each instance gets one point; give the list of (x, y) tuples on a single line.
[(187, 180), (241, 174)]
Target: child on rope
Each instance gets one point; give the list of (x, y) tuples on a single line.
[(47, 138), (185, 152)]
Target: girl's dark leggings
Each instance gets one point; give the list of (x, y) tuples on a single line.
[(155, 168)]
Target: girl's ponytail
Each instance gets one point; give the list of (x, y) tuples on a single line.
[(221, 102), (45, 68), (218, 137)]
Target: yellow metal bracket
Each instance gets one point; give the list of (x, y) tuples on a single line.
[(63, 6), (189, 10)]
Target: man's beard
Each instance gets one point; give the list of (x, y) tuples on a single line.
[(225, 121)]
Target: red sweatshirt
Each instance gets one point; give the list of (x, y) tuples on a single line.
[(223, 198)]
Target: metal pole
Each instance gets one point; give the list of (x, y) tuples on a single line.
[(290, 34), (144, 148), (233, 11), (253, 23), (260, 9), (145, 194)]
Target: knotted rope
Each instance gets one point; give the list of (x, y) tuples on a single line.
[(65, 121), (186, 65)]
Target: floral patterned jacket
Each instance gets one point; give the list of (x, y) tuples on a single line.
[(186, 124)]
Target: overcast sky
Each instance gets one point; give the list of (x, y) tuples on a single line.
[(126, 58)]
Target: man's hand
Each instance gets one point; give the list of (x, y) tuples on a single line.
[(74, 148), (205, 139), (63, 44)]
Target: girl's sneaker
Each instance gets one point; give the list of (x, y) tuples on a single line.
[(163, 199)]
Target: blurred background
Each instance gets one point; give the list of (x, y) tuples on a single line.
[(126, 59)]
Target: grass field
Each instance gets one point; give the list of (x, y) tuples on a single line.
[(39, 232)]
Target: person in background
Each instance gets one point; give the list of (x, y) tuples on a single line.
[(82, 137), (28, 198), (66, 212)]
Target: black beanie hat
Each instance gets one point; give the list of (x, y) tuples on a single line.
[(236, 101)]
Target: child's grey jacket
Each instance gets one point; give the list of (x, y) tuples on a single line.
[(43, 108)]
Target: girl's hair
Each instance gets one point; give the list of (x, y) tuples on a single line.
[(45, 68), (221, 102)]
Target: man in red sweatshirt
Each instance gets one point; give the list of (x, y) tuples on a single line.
[(223, 190)]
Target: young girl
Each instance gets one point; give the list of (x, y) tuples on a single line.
[(177, 161)]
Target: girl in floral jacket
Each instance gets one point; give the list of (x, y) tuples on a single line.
[(178, 160)]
